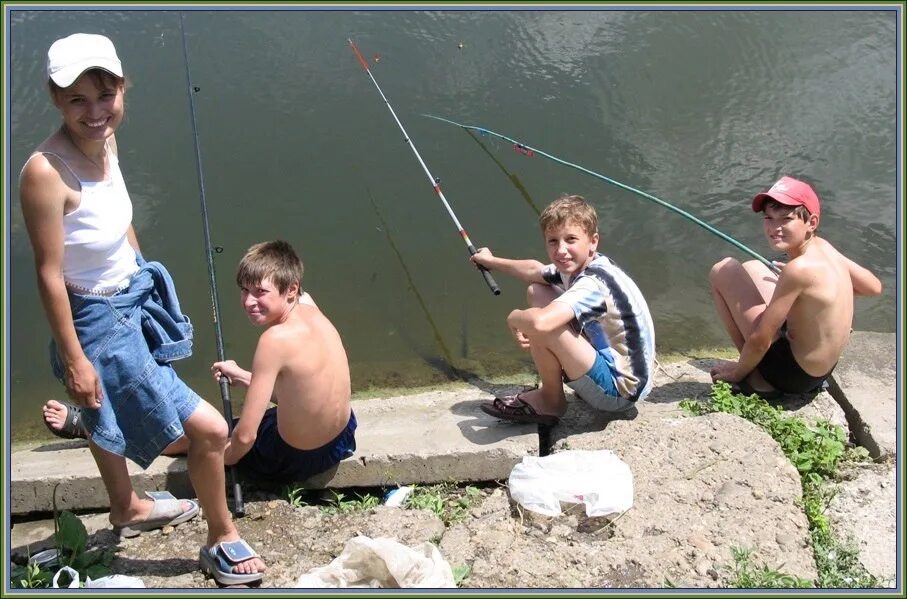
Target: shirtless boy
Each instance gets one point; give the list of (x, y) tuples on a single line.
[(790, 328), (300, 365)]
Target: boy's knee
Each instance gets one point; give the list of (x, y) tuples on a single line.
[(721, 268), (538, 295)]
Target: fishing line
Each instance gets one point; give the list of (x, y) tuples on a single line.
[(238, 508), (529, 151), (435, 182)]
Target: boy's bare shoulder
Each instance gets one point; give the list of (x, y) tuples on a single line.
[(294, 330), (810, 265)]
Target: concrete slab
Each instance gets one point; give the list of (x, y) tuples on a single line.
[(865, 383), (864, 509), (426, 438)]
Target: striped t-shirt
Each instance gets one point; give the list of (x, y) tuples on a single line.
[(612, 315)]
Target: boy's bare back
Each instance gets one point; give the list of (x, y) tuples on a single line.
[(312, 388), (820, 319)]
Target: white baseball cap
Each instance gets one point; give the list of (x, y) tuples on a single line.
[(71, 56)]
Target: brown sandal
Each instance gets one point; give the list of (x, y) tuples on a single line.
[(513, 409)]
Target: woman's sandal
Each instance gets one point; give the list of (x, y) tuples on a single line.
[(218, 561), (72, 424), (167, 511)]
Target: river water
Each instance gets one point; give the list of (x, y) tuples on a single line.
[(701, 109)]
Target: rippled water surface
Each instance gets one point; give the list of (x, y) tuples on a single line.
[(700, 108)]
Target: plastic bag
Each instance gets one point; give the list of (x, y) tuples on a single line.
[(115, 581), (381, 563), (599, 479), (73, 575)]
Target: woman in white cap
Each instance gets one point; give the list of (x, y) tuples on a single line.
[(115, 319)]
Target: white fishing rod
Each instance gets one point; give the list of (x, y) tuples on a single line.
[(435, 183)]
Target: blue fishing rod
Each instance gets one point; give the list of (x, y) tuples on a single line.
[(529, 151), (435, 183), (238, 508)]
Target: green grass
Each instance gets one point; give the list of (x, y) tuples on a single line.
[(341, 504), (295, 494), (460, 573), (448, 501), (744, 574), (816, 451)]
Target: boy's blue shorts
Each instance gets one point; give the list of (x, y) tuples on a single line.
[(597, 387), (272, 460)]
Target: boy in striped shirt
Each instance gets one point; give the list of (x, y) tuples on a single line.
[(587, 324)]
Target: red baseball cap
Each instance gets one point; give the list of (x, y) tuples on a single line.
[(790, 192)]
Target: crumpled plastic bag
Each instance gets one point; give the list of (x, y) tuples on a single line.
[(115, 581), (73, 576), (598, 479), (381, 563)]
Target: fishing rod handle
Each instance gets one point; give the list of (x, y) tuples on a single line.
[(485, 272), (239, 509), (490, 280)]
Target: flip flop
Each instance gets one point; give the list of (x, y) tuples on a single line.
[(167, 511), (218, 561), (513, 409), (72, 425)]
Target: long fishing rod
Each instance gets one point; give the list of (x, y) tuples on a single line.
[(435, 183), (238, 507), (530, 151)]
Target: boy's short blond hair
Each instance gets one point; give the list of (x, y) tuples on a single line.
[(569, 210), (274, 260)]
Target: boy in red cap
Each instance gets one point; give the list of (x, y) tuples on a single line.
[(790, 328)]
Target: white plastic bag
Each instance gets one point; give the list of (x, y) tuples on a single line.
[(599, 479), (73, 574), (115, 581), (381, 563)]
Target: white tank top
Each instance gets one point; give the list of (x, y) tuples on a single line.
[(97, 256)]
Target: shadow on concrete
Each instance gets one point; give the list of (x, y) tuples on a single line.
[(580, 418), (789, 402), (454, 373), (154, 567), (677, 391), (176, 479), (20, 554), (61, 445), (482, 429)]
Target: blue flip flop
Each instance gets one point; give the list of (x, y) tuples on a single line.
[(218, 561)]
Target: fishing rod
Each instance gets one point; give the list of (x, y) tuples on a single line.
[(435, 183), (530, 151), (238, 508)]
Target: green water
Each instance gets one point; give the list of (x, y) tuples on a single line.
[(700, 108)]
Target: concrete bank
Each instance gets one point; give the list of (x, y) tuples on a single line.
[(444, 436)]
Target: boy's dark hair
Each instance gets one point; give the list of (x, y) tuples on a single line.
[(569, 209), (275, 260), (800, 211), (101, 79)]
